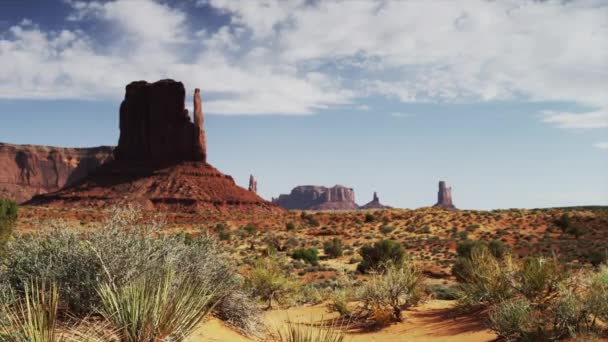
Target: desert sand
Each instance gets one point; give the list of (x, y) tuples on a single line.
[(433, 321)]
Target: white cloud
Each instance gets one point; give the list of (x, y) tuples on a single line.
[(400, 115), (295, 57), (596, 119), (602, 145)]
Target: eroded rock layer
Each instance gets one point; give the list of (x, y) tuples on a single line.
[(184, 186), (28, 170)]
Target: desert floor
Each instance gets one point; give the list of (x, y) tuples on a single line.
[(434, 320)]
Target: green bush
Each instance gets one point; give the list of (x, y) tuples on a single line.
[(386, 229), (398, 288), (497, 248), (576, 231), (309, 255), (224, 235), (444, 292), (538, 277), (268, 281), (485, 280), (597, 257), (333, 248), (512, 320), (464, 248), (8, 217), (369, 218), (564, 222), (290, 226), (251, 228), (376, 257)]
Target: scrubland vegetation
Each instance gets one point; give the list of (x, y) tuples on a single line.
[(134, 278)]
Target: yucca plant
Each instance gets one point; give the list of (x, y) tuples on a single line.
[(154, 309), (306, 332), (33, 319)]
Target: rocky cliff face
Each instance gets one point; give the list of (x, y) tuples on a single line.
[(28, 170), (444, 197), (154, 124), (311, 197), (374, 204), (160, 161)]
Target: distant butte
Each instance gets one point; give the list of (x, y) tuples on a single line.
[(374, 204), (312, 197), (444, 197), (160, 161)]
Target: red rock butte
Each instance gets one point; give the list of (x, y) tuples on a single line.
[(160, 161)]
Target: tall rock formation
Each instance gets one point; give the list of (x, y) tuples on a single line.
[(374, 204), (160, 161), (311, 197), (155, 126), (28, 170), (444, 197), (253, 184), (201, 143)]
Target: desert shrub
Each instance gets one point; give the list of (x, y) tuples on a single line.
[(464, 235), (497, 248), (309, 255), (425, 230), (220, 227), (240, 311), (564, 222), (224, 235), (250, 228), (485, 279), (339, 302), (154, 308), (308, 332), (8, 217), (444, 292), (290, 226), (333, 248), (597, 257), (597, 296), (576, 231), (464, 248), (60, 257), (379, 254), (386, 229), (512, 320), (310, 219), (397, 288), (369, 217), (268, 281), (472, 228), (538, 277), (119, 253)]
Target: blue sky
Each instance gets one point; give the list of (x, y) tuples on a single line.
[(506, 101)]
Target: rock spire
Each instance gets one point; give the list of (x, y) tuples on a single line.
[(253, 184), (444, 197)]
